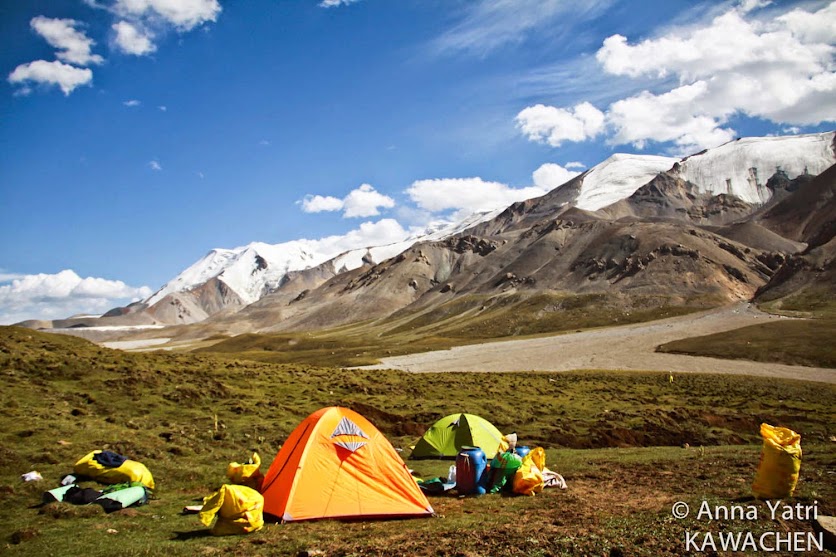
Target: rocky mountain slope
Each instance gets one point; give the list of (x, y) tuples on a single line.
[(669, 243)]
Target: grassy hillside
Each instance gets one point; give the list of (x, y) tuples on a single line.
[(187, 416), (801, 342)]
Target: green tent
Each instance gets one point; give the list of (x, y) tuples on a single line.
[(447, 436)]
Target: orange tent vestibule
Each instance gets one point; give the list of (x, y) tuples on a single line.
[(336, 464)]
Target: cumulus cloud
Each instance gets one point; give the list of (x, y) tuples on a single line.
[(575, 164), (132, 103), (155, 165), (67, 77), (56, 296), (73, 46), (779, 69), (131, 39), (183, 14), (363, 201), (551, 175), (467, 195), (382, 232), (551, 125), (809, 27), (321, 203), (673, 116)]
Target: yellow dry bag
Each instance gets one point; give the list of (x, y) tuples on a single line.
[(780, 463)]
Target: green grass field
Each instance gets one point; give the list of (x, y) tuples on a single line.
[(617, 438)]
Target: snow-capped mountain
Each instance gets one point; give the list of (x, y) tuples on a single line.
[(249, 271), (257, 269), (740, 168)]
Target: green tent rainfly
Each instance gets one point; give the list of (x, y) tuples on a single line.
[(447, 436)]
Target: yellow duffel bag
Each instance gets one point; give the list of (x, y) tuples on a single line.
[(240, 510), (127, 471), (780, 463)]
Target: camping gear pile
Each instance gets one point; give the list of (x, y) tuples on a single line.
[(129, 482), (472, 440), (239, 506)]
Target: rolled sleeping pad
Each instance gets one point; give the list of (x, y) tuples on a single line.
[(56, 494), (123, 498)]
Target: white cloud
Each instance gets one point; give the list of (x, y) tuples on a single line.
[(131, 39), (551, 125), (163, 108), (382, 232), (336, 3), (779, 69), (467, 195), (729, 43), (747, 6), (673, 116), (818, 27), (575, 164), (551, 175), (489, 24), (7, 277), (183, 14), (56, 296), (132, 103), (67, 77), (321, 203), (155, 165), (73, 45), (363, 201)]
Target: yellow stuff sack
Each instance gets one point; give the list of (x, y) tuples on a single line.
[(239, 508), (247, 474), (780, 463), (528, 479), (129, 471)]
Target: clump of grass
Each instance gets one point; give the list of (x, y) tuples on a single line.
[(61, 510), (23, 535)]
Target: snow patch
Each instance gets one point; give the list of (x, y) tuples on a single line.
[(742, 167), (618, 178)]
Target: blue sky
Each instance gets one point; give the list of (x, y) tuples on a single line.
[(139, 134)]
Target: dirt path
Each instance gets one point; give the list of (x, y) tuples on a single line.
[(629, 347)]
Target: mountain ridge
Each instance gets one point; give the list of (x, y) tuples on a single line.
[(708, 190)]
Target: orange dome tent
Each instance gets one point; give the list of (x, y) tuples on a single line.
[(336, 464)]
